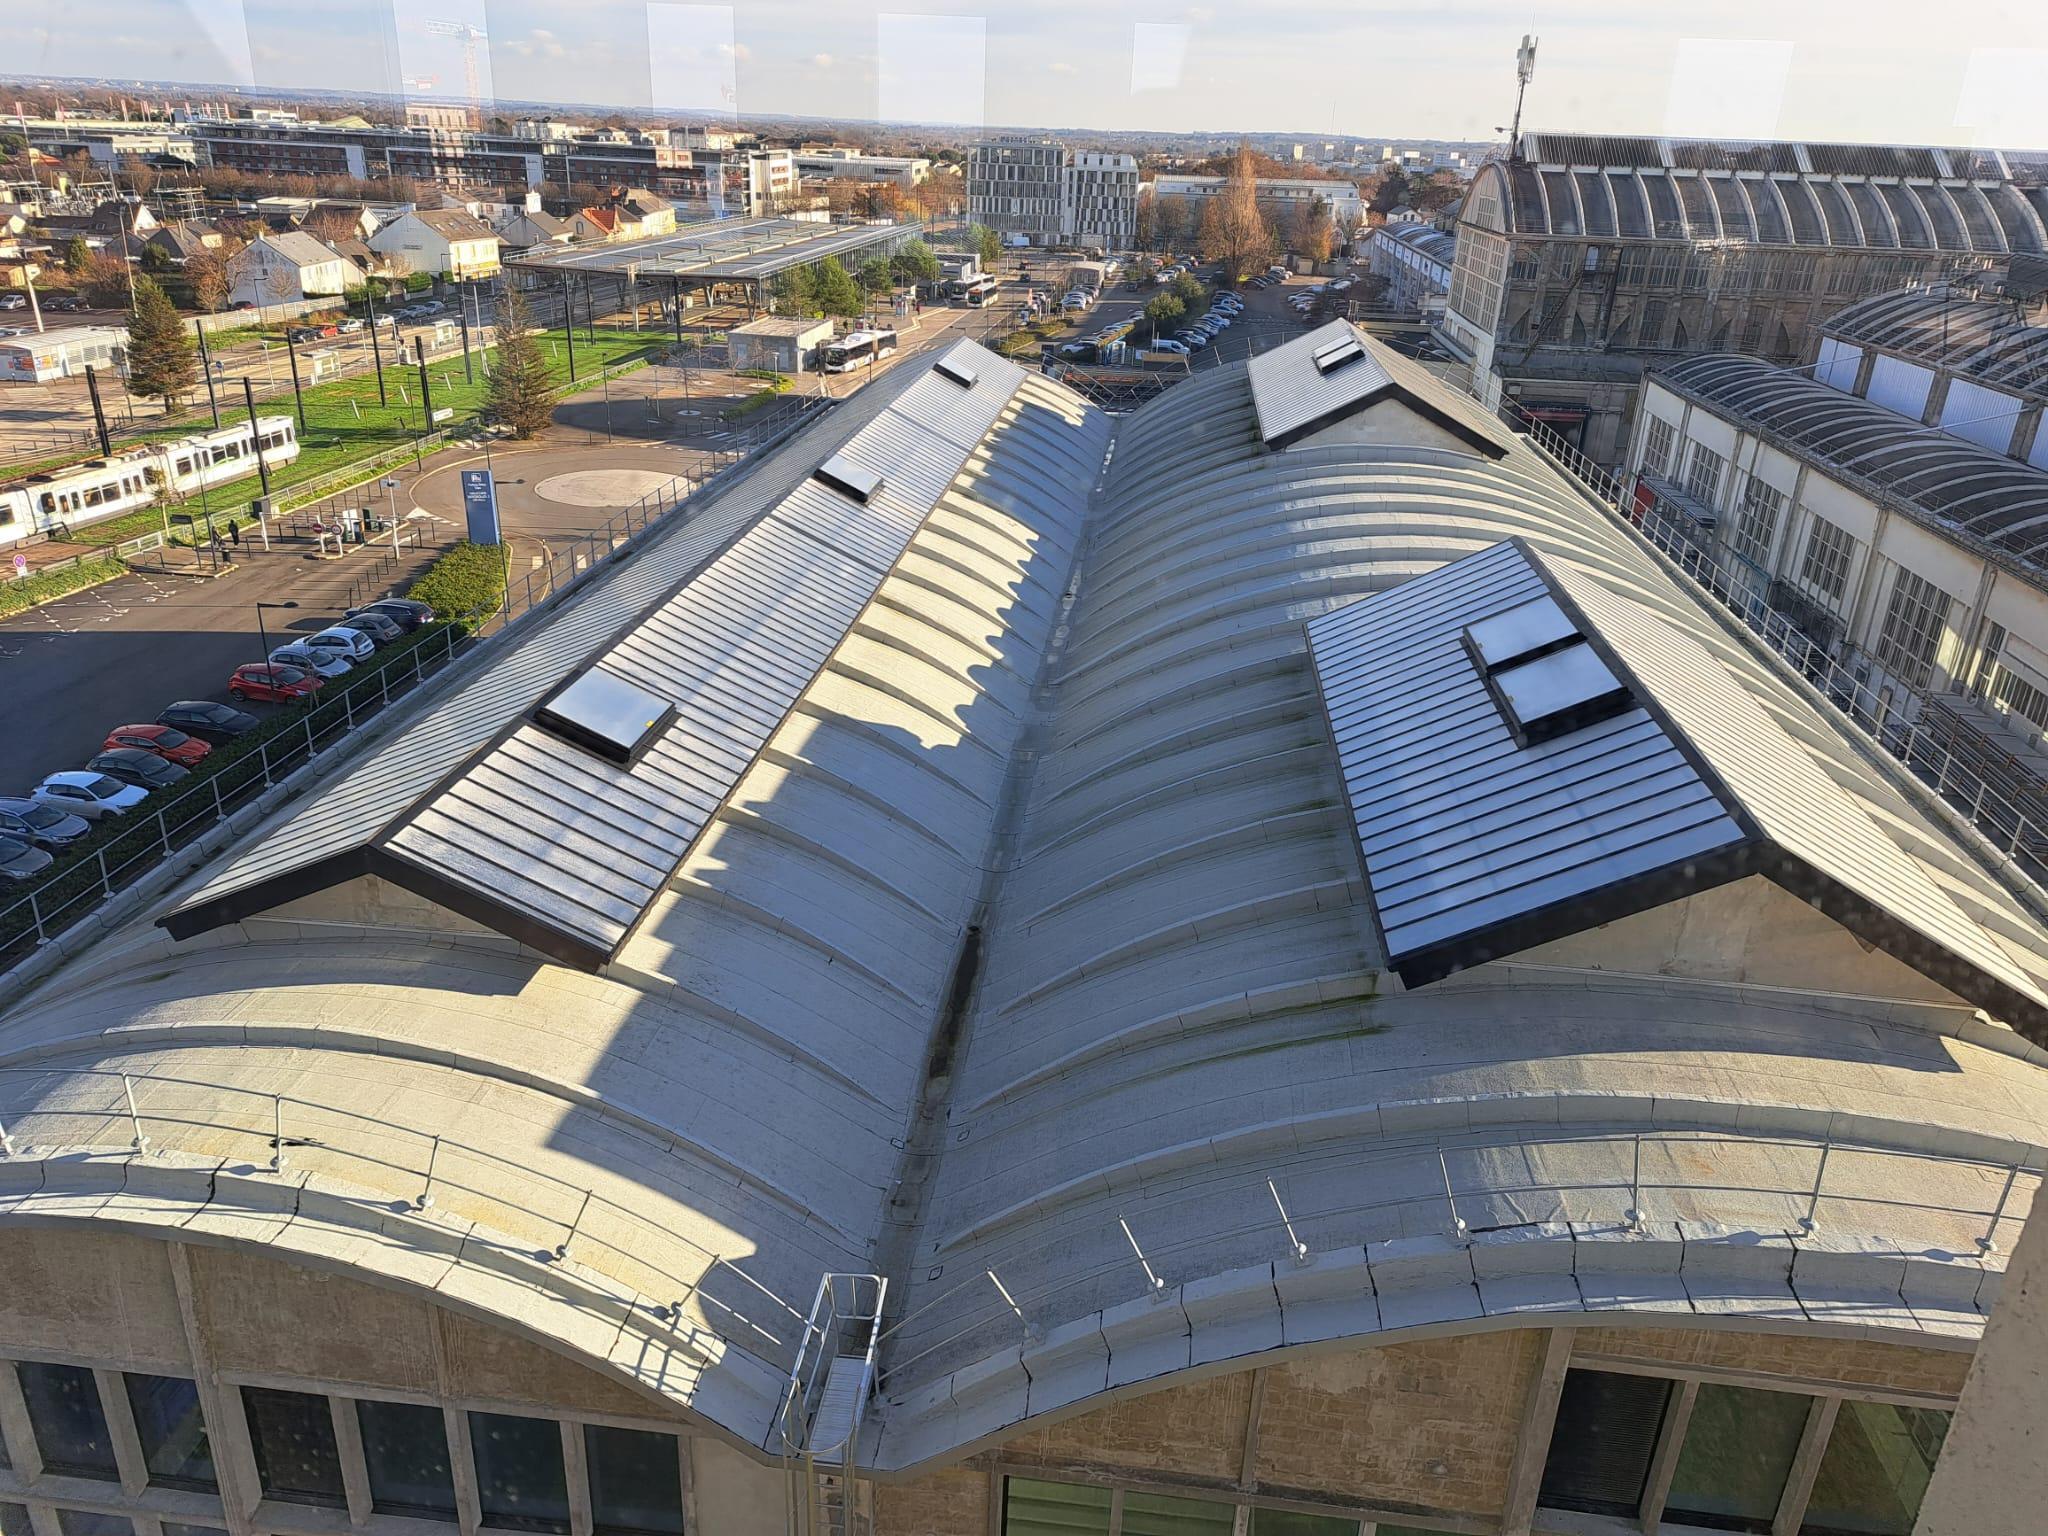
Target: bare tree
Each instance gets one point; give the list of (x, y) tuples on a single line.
[(1234, 230), (206, 271)]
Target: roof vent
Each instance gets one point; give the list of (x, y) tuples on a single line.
[(964, 377), (847, 478), (604, 714), (1546, 678), (1342, 351)]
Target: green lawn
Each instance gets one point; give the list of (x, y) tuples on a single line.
[(344, 423)]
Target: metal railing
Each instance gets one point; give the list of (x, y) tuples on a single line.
[(157, 1115), (1166, 1239), (167, 821), (1880, 708), (845, 1322)]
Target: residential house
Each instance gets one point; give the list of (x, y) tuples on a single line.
[(600, 224), (528, 229), (278, 269), (185, 239), (655, 214), (366, 261), (444, 241)]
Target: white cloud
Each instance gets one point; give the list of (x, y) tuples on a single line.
[(933, 69)]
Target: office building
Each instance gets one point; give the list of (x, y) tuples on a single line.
[(836, 164), (1102, 200), (1018, 187), (1581, 259), (1279, 196), (1261, 965)]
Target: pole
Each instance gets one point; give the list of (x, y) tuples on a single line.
[(206, 367), (677, 284), (99, 415), (376, 347), (292, 352), (419, 353), (462, 311), (569, 325), (255, 437)]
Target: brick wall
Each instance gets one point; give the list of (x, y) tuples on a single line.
[(1195, 1430), (1857, 1361), (953, 1502)]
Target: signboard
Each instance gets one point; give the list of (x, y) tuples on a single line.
[(20, 564), (480, 504), (444, 413)]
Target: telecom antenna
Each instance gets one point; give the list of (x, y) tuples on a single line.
[(1525, 66)]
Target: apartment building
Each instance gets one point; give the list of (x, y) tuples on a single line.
[(1890, 498), (1581, 259), (1355, 1005), (1018, 187), (1102, 200)]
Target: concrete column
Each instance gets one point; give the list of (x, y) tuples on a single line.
[(1993, 1473), (1532, 1445)]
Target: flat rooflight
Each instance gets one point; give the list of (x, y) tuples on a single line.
[(848, 478), (1336, 354), (604, 714), (1520, 633), (964, 377), (1557, 693)]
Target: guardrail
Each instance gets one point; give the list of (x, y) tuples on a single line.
[(154, 1114), (1888, 714), (998, 1302)]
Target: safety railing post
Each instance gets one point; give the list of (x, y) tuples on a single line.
[(562, 1248), (106, 883), (6, 1141), (1989, 1241), (1443, 1167), (1810, 1222), (163, 833), (425, 1198), (141, 1142), (1635, 1187), (277, 1133)]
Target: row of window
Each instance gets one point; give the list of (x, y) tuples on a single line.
[(522, 1470)]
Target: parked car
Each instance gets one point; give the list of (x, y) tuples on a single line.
[(402, 611), (322, 664), (166, 741), (347, 327), (210, 722), (1168, 344), (1192, 339), (20, 860), (349, 644), (131, 765), (304, 333), (43, 825), (92, 796), (381, 629), (13, 301), (1074, 301), (65, 304), (268, 680)]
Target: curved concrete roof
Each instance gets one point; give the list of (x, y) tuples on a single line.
[(1037, 930)]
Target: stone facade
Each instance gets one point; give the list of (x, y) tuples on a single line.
[(1851, 1362)]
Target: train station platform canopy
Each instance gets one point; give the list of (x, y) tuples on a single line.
[(722, 251)]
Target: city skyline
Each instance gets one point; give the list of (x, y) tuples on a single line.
[(1828, 73)]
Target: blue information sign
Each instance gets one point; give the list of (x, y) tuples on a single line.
[(480, 502)]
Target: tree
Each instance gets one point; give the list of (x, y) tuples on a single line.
[(796, 292), (105, 282), (1169, 222), (1163, 310), (985, 243), (838, 294), (1234, 231), (156, 259), (76, 255), (1393, 191), (1187, 288), (162, 360), (915, 263), (520, 394), (206, 271), (874, 275), (1314, 235)]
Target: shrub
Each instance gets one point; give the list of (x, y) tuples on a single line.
[(1018, 343), (465, 586), (779, 383), (43, 586)]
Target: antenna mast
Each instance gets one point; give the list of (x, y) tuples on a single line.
[(1525, 66)]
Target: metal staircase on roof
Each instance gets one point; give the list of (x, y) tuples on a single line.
[(829, 1386)]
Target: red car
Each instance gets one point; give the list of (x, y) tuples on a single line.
[(165, 741), (273, 681)]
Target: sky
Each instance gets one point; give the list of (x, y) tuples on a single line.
[(1820, 69)]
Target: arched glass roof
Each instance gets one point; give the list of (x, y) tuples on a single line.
[(1983, 339), (1983, 495)]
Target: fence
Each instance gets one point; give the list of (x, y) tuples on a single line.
[(1452, 1185), (1890, 715)]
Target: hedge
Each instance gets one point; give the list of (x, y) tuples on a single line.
[(1018, 343), (465, 586), (751, 404), (19, 595)]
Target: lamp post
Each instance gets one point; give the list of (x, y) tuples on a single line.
[(262, 633)]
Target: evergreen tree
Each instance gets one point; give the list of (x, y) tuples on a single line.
[(1162, 310), (838, 294), (796, 292), (520, 394), (915, 263), (76, 254), (162, 358)]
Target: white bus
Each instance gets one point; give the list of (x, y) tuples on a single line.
[(85, 493), (857, 349), (975, 292)]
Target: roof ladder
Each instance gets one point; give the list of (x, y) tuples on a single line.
[(819, 1421)]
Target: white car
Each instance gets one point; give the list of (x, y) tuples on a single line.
[(348, 644), (324, 662), (1168, 344), (1075, 300), (81, 792)]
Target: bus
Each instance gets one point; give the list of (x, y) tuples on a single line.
[(975, 292), (856, 348)]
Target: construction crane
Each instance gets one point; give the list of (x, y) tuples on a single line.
[(470, 36)]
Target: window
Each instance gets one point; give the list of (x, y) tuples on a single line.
[(1875, 1470), (1738, 1452), (14, 1520), (1285, 1522), (292, 1434), (172, 1528), (1163, 1514), (1600, 1449), (519, 1473), (1034, 1508), (1915, 618), (1703, 474), (406, 1449), (1659, 441), (173, 1432), (1757, 528), (70, 1426), (635, 1480), (1825, 570), (87, 1522)]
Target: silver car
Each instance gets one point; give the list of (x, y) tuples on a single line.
[(21, 861), (44, 825)]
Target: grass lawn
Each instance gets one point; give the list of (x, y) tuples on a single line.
[(344, 423)]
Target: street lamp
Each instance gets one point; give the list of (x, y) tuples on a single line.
[(261, 632)]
